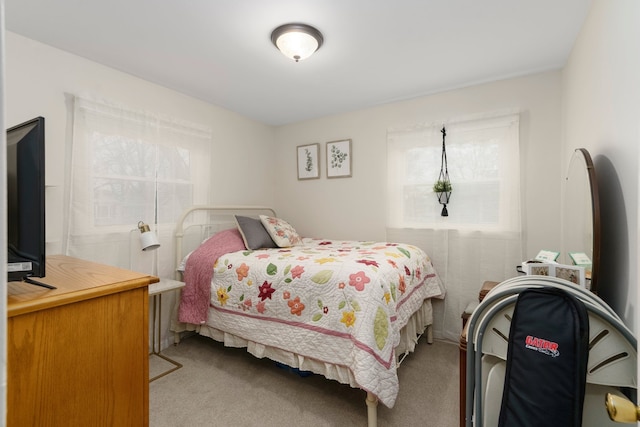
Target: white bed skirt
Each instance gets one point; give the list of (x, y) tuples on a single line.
[(419, 322)]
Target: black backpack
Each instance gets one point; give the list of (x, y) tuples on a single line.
[(546, 361)]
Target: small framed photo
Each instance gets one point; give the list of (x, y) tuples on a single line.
[(308, 161), (339, 159), (537, 268), (581, 259), (572, 273)]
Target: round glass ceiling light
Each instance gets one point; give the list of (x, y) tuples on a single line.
[(297, 41)]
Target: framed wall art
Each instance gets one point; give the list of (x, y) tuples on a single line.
[(308, 161), (339, 159)]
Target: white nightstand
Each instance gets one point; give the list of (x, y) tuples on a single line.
[(156, 290)]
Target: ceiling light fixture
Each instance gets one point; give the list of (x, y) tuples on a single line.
[(297, 41)]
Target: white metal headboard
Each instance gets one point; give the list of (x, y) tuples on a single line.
[(206, 220)]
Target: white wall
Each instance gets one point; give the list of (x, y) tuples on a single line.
[(601, 104)]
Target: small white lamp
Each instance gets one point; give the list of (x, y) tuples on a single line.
[(148, 239)]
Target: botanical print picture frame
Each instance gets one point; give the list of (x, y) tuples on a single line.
[(308, 161), (339, 159)]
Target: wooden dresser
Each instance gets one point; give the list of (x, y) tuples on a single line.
[(78, 355)]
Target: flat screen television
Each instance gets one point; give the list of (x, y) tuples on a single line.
[(25, 202)]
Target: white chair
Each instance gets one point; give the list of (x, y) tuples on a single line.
[(612, 355)]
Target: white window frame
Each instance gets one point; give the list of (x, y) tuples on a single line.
[(501, 130), (96, 119)]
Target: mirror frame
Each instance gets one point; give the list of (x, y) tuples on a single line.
[(595, 212)]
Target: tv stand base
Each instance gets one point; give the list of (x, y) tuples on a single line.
[(37, 283)]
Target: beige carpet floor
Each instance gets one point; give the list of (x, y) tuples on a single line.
[(220, 386)]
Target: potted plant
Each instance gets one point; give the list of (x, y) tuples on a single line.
[(442, 186)]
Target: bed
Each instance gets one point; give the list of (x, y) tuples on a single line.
[(347, 310)]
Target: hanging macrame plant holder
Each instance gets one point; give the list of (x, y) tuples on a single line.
[(442, 187)]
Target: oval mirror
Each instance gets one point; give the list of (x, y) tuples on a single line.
[(581, 219)]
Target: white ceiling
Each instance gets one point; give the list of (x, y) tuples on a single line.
[(375, 51)]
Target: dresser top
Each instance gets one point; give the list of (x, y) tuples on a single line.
[(75, 280)]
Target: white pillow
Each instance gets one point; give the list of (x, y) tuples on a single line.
[(282, 233)]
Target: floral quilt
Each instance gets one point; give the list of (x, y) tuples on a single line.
[(340, 302)]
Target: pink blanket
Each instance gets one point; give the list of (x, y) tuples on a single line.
[(194, 306)]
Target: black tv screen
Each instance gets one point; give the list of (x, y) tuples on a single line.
[(25, 200)]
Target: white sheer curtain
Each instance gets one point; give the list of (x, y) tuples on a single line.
[(128, 166), (481, 238)]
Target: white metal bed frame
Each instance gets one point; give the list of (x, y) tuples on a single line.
[(212, 220)]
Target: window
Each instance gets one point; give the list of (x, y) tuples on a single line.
[(130, 166), (128, 175), (483, 165)]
